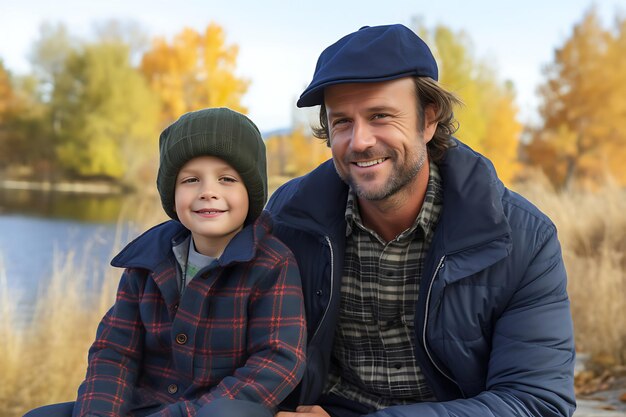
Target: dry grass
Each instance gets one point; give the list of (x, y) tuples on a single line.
[(45, 362), (592, 232)]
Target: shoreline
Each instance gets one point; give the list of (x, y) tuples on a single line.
[(62, 186)]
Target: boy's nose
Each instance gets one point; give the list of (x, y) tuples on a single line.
[(208, 193)]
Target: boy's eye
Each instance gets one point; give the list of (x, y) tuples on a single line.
[(228, 179), (189, 180)]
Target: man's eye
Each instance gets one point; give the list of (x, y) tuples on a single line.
[(340, 122), (380, 116)]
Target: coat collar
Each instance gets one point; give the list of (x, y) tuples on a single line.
[(472, 214), (154, 247)]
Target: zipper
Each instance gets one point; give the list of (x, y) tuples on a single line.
[(430, 287), (332, 284)]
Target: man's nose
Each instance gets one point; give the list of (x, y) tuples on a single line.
[(363, 137)]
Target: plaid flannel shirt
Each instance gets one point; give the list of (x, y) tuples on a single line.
[(238, 331), (373, 356)]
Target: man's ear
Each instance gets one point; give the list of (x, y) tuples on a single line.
[(430, 125)]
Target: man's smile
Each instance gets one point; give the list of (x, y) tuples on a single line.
[(365, 164)]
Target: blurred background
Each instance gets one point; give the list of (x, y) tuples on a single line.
[(86, 88)]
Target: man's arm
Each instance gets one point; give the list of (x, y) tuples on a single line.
[(531, 365), (305, 411), (532, 358)]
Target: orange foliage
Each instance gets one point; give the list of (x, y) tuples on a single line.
[(6, 91)]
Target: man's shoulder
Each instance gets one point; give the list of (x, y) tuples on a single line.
[(526, 219)]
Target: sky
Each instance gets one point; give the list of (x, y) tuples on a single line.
[(280, 41)]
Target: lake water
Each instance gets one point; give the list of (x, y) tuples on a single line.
[(38, 227)]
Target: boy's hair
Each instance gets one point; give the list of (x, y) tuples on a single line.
[(218, 132)]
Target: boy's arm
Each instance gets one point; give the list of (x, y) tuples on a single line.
[(113, 357), (276, 340)]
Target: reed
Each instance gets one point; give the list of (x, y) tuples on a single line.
[(45, 361), (592, 232)]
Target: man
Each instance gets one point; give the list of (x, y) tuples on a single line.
[(430, 288)]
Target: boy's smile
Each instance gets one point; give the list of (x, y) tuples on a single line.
[(211, 201), (209, 212)]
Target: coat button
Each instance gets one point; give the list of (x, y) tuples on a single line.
[(172, 388), (181, 338), (319, 293), (175, 307)]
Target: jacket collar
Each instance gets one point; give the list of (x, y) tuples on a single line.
[(154, 247), (472, 213)]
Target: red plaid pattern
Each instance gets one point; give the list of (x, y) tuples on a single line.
[(238, 332)]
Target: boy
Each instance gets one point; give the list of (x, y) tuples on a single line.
[(209, 316)]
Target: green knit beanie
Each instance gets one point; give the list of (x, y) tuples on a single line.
[(218, 132)]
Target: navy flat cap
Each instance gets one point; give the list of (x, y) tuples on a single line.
[(371, 54)]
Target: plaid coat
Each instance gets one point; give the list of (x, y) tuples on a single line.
[(238, 331)]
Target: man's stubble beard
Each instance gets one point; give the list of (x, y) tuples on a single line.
[(400, 176)]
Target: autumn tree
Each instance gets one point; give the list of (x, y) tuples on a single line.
[(49, 54), (6, 91), (196, 70), (106, 114), (488, 118), (294, 153), (6, 102), (24, 145), (582, 137)]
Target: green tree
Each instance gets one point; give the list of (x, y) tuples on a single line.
[(49, 54), (488, 119), (24, 145), (106, 114)]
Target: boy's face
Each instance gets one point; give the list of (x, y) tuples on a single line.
[(211, 201)]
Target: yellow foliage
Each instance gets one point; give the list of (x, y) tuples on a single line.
[(488, 120), (106, 114), (500, 142), (196, 70), (294, 154), (584, 106)]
